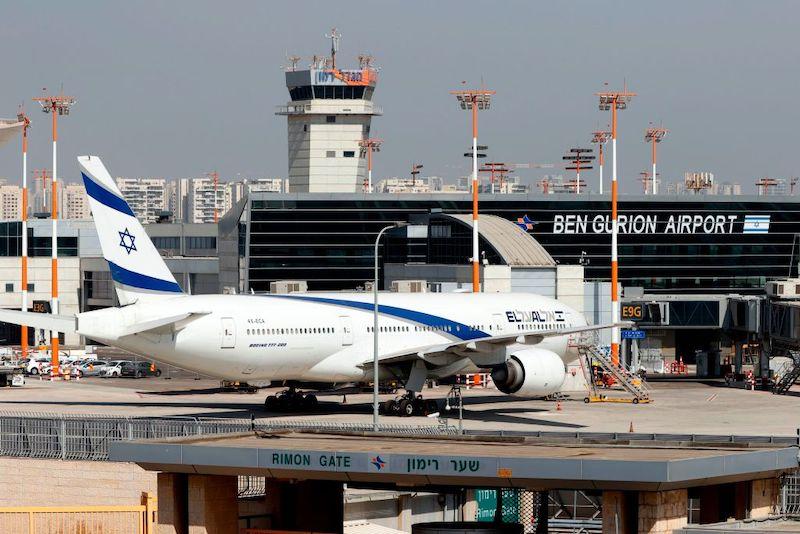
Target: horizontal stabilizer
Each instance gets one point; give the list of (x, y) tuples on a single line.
[(46, 321), (155, 324)]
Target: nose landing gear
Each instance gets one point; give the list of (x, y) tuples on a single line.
[(291, 400)]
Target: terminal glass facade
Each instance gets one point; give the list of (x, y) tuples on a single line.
[(725, 244)]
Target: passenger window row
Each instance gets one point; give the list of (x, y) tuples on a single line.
[(539, 326), (290, 331)]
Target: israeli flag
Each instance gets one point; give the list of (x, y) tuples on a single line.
[(756, 224)]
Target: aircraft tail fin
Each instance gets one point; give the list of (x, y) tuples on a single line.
[(138, 270)]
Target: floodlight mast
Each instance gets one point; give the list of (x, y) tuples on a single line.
[(368, 146), (654, 136), (474, 100), (600, 138), (415, 170), (56, 105), (26, 122), (614, 100), (576, 157)]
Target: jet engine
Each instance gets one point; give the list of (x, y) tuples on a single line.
[(530, 373)]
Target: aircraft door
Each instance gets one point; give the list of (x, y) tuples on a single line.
[(228, 338), (498, 324), (346, 324)]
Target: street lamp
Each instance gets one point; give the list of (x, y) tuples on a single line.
[(375, 358)]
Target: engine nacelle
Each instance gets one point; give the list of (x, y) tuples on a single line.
[(530, 373)]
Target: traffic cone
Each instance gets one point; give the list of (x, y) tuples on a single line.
[(631, 428), (558, 406)]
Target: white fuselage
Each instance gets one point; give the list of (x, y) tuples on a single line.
[(321, 337)]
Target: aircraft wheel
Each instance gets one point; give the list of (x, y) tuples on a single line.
[(406, 408), (310, 401), (387, 407)]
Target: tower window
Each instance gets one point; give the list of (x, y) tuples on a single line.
[(330, 118), (330, 154), (349, 154)]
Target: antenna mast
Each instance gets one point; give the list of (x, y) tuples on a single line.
[(334, 36)]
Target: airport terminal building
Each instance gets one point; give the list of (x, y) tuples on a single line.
[(674, 244)]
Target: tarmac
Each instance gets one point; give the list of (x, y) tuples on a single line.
[(680, 406)]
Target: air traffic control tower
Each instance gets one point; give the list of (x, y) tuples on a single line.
[(329, 114)]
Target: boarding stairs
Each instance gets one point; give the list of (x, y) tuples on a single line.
[(789, 373), (629, 381)]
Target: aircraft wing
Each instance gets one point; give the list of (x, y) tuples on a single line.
[(467, 348), (46, 321)]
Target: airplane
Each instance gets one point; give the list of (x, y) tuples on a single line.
[(523, 340)]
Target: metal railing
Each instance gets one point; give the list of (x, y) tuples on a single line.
[(137, 519), (87, 437)]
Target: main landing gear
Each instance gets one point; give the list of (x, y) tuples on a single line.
[(409, 405), (290, 400)]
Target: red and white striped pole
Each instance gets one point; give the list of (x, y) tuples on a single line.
[(24, 218), (476, 272), (615, 310), (57, 105), (54, 248)]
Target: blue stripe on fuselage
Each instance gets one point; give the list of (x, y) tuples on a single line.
[(106, 197), (457, 329)]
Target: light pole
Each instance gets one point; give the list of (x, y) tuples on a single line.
[(600, 138), (654, 136), (375, 355), (368, 146), (614, 101), (57, 105), (24, 215), (415, 170), (474, 100), (576, 157)]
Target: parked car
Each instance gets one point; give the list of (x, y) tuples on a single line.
[(113, 369), (34, 365), (139, 369), (89, 368)]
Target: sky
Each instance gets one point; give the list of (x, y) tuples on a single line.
[(180, 88)]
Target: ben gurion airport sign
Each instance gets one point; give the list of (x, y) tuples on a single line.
[(676, 223)]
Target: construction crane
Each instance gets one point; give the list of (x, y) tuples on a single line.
[(495, 168), (765, 186)]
